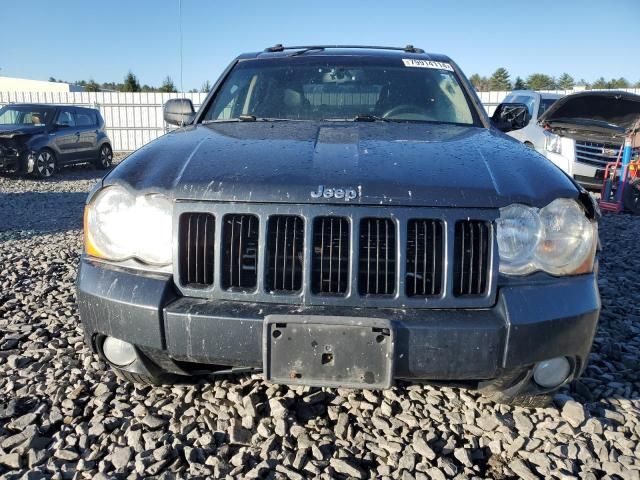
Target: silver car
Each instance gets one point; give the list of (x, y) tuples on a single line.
[(532, 135)]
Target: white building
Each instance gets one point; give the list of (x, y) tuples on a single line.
[(12, 84)]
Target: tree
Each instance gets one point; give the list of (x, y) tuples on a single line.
[(52, 79), (600, 84), (91, 86), (206, 86), (131, 83), (500, 80), (168, 86), (519, 84), (619, 83), (637, 85), (565, 82), (481, 84), (540, 81)]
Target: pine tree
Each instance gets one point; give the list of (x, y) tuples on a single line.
[(540, 81), (519, 84), (131, 83), (499, 81), (565, 82), (168, 86), (479, 83), (600, 84)]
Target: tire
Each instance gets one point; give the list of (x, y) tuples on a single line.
[(105, 157), (631, 196), (44, 165), (146, 380)]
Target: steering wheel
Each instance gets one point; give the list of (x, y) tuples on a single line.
[(405, 108)]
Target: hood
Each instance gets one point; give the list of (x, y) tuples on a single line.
[(10, 131), (379, 163), (594, 115)]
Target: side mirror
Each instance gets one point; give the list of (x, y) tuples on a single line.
[(179, 111), (511, 116)]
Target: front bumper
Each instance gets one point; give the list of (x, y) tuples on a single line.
[(543, 319)]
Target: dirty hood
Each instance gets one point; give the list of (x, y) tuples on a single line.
[(594, 115), (385, 163)]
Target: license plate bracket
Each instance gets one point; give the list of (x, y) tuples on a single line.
[(325, 351)]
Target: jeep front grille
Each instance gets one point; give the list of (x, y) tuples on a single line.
[(196, 233), (240, 248), (336, 255), (330, 256), (285, 248), (425, 258), (377, 256), (471, 258)]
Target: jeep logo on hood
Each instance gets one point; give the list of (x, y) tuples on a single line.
[(347, 193)]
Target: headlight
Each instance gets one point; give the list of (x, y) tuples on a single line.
[(558, 239), (552, 142), (119, 226)]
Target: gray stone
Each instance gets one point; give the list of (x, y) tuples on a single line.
[(346, 468), (573, 413)]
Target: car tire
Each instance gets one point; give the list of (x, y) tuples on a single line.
[(142, 379), (631, 196), (44, 164), (105, 157)]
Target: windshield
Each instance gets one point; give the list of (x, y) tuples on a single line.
[(545, 103), (342, 88), (14, 115)]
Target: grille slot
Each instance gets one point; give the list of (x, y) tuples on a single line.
[(196, 233), (330, 270), (285, 249), (596, 154), (377, 274), (239, 252), (471, 265), (425, 258)]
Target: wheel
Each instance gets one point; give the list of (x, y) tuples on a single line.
[(631, 196), (44, 165), (105, 157), (142, 379)]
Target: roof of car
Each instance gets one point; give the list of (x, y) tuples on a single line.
[(542, 94), (409, 51)]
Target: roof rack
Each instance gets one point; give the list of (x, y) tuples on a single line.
[(280, 48)]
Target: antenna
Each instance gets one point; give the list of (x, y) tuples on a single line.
[(180, 25)]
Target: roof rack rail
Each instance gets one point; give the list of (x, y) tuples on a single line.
[(280, 48)]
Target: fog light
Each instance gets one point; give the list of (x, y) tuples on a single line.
[(118, 352), (551, 373)]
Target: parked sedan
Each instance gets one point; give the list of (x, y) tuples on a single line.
[(39, 139)]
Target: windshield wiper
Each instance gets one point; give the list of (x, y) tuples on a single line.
[(369, 117), (248, 118)]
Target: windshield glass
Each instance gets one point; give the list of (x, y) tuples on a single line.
[(14, 115), (545, 103), (342, 88)]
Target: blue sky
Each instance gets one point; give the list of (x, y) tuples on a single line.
[(73, 39)]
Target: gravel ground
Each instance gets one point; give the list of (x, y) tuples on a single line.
[(63, 413)]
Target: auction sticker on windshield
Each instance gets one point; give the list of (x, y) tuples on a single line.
[(414, 62)]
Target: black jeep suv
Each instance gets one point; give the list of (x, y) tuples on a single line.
[(342, 216), (39, 139)]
